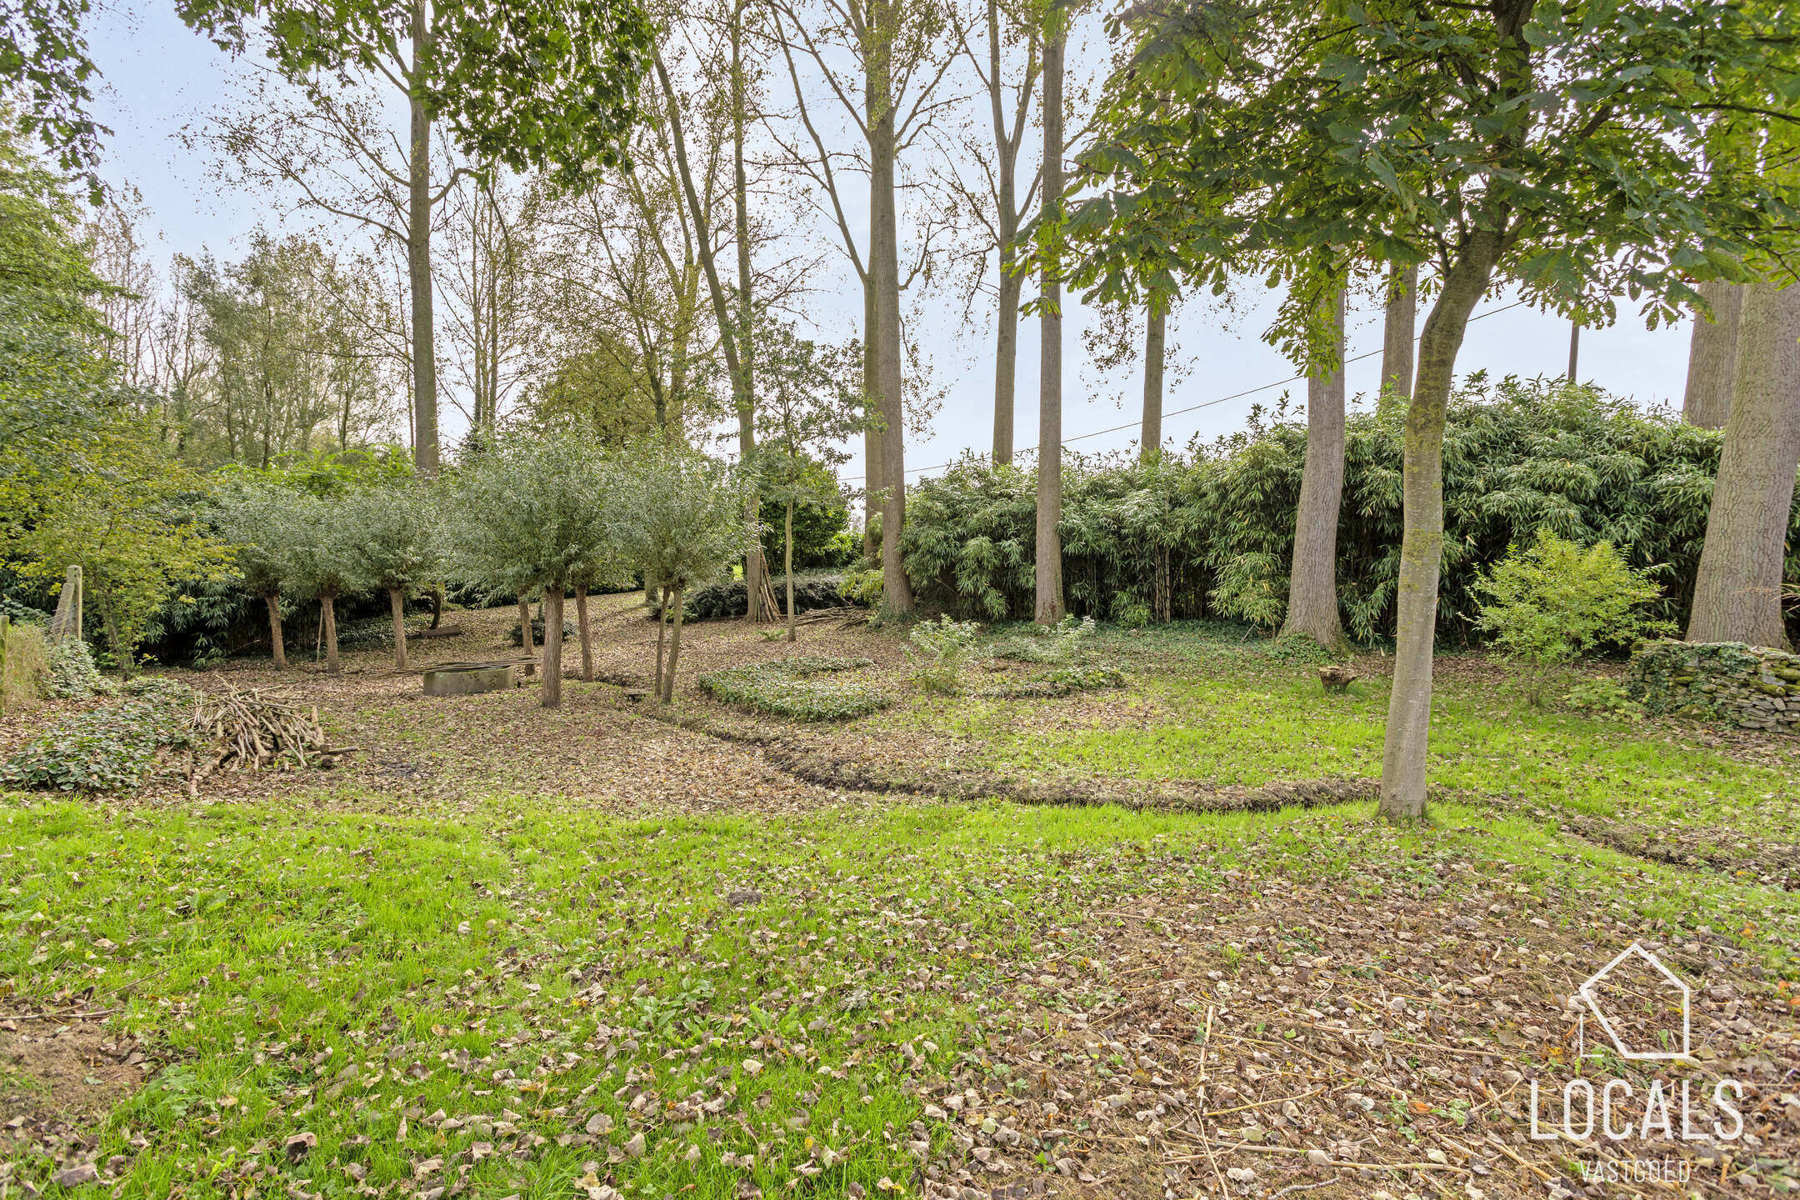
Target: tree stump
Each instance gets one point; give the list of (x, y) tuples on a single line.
[(1337, 678)]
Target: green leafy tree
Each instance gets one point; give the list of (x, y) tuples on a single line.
[(265, 524), (808, 404), (326, 566), (1504, 143), (44, 60), (1548, 604), (682, 517), (533, 514), (395, 544)]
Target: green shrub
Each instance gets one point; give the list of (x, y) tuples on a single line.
[(73, 675), (938, 651), (107, 749), (729, 598), (1519, 456), (1060, 643), (1606, 696), (791, 688), (863, 587), (26, 674), (1550, 603), (1064, 681)]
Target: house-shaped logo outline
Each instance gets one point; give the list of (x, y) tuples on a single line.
[(1587, 996)]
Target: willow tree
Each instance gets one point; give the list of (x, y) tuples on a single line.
[(1555, 148), (264, 524), (395, 545)]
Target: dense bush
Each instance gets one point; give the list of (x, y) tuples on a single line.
[(1063, 681), (792, 688), (107, 749), (73, 675), (938, 651), (512, 633), (1519, 456), (729, 598), (24, 664), (1061, 643)]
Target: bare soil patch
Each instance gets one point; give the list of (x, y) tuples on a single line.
[(60, 1075)]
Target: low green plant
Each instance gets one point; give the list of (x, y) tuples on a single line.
[(73, 674), (939, 650), (793, 688), (1550, 603), (107, 749), (1299, 649), (1060, 643), (863, 587), (1604, 696), (1063, 681), (24, 666)]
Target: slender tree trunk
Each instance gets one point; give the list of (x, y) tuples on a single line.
[(1155, 347), (754, 564), (668, 692), (662, 626), (550, 692), (328, 618), (397, 605), (278, 651), (1574, 350), (1712, 356), (418, 257), (120, 650), (581, 623), (787, 564), (1737, 595), (1408, 739), (874, 483), (1049, 581), (526, 641), (884, 272), (1397, 334), (1006, 358), (1312, 582)]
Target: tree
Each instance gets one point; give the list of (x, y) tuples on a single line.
[(396, 547), (536, 513), (1312, 608), (1400, 320), (888, 53), (44, 58), (681, 516), (1737, 595), (1049, 607), (1712, 354), (265, 524), (522, 83), (996, 201), (808, 407), (1487, 139), (326, 567)]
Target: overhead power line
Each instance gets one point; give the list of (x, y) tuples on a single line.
[(1082, 437)]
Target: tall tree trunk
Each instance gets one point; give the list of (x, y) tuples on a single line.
[(884, 273), (662, 628), (328, 620), (550, 690), (121, 652), (1006, 357), (1398, 329), (1737, 595), (754, 565), (1712, 356), (1155, 347), (1048, 577), (418, 256), (278, 650), (397, 605), (787, 565), (1408, 738), (668, 692), (1574, 349), (874, 483), (581, 624), (1312, 583), (526, 641)]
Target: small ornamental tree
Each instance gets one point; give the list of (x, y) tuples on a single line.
[(265, 523), (682, 517), (535, 514), (1560, 149), (326, 565), (809, 404), (395, 546)]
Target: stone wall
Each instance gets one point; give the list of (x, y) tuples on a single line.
[(1750, 686)]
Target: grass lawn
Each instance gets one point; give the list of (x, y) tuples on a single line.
[(420, 989)]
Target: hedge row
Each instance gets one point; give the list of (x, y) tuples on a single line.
[(1217, 522)]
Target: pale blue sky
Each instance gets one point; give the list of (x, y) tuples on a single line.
[(160, 77)]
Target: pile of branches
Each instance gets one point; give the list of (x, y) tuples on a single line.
[(248, 731)]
